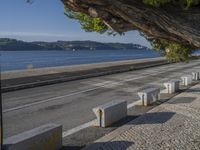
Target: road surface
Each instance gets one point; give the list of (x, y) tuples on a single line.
[(71, 103)]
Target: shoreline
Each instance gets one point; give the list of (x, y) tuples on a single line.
[(22, 79), (60, 69), (32, 60)]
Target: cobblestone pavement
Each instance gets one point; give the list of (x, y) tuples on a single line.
[(174, 125)]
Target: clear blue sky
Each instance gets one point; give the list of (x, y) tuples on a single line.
[(45, 20)]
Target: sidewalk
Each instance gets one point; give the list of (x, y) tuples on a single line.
[(22, 79), (75, 68), (172, 125)]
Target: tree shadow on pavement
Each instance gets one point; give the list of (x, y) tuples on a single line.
[(115, 145), (193, 90), (123, 121), (153, 118), (71, 148), (181, 100)]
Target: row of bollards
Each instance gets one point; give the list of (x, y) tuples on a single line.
[(112, 112), (49, 136)]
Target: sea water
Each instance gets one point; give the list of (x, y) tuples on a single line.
[(16, 60)]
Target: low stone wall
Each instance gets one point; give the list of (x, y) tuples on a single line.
[(46, 137), (110, 113), (149, 96), (16, 80)]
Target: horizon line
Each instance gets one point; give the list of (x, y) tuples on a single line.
[(69, 41)]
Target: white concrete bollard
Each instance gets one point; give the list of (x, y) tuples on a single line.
[(195, 76), (172, 86), (149, 96), (46, 137), (110, 113), (186, 80)]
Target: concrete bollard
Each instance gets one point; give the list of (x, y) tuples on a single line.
[(46, 137), (149, 96), (172, 86), (186, 80), (110, 113), (195, 76)]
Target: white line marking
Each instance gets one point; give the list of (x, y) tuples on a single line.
[(107, 84), (85, 125), (88, 124), (63, 96), (78, 128), (132, 104)]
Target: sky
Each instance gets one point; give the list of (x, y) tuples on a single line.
[(44, 20)]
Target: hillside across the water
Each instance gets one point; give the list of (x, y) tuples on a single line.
[(15, 45)]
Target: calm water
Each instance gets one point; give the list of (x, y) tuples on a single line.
[(15, 60)]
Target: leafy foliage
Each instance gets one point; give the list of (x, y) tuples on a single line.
[(156, 3), (29, 1), (88, 23), (178, 52), (184, 3), (173, 51), (91, 24)]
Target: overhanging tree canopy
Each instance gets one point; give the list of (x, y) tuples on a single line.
[(163, 22)]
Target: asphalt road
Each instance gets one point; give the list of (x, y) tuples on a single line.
[(71, 103)]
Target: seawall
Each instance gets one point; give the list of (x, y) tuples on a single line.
[(22, 79)]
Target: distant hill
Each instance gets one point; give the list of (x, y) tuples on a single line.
[(15, 45)]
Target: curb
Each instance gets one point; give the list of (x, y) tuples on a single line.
[(81, 75)]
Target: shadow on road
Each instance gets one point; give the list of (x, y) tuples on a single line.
[(124, 121), (153, 118), (182, 100), (72, 147), (194, 90), (116, 145)]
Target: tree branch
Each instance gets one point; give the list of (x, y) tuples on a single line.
[(169, 23)]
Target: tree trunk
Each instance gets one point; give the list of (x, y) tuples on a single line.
[(170, 23)]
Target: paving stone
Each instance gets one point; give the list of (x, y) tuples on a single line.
[(174, 125)]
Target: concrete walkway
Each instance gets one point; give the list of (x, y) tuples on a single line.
[(174, 125), (29, 78), (74, 68)]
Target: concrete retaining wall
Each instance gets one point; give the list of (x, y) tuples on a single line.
[(16, 80), (110, 113), (149, 96), (186, 80), (195, 76), (46, 137), (172, 86)]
